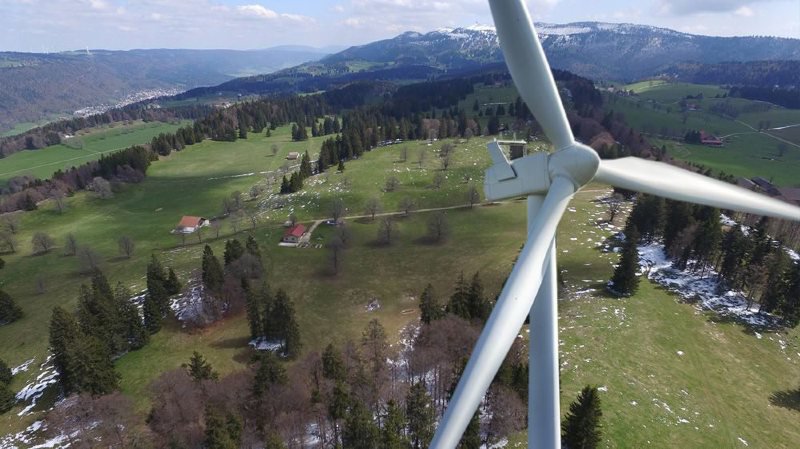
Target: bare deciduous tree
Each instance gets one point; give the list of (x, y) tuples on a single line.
[(293, 218), (614, 206), (404, 153), (216, 225), (102, 188), (274, 149), (473, 196), (336, 247), (253, 217), (8, 242), (407, 205), (89, 259), (372, 207), (392, 184), (387, 231), (421, 156), (70, 245), (42, 243), (337, 210), (446, 161), (10, 222), (236, 221), (446, 150), (41, 285), (126, 246), (59, 200), (438, 227), (438, 180)]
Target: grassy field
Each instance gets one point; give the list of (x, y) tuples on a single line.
[(747, 152), (627, 345), (80, 149)]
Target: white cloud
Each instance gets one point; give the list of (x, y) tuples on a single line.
[(257, 11), (745, 11), (98, 4)]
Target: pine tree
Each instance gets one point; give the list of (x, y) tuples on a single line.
[(359, 432), (7, 398), (64, 336), (199, 369), (332, 364), (172, 284), (459, 301), (268, 372), (233, 251), (285, 188), (305, 166), (421, 416), (790, 307), (9, 310), (152, 314), (394, 428), (5, 373), (777, 265), (131, 325), (213, 277), (625, 282), (472, 435), (251, 246), (156, 289), (222, 431), (292, 344), (341, 165), (581, 427), (94, 368), (430, 310), (479, 307), (254, 313)]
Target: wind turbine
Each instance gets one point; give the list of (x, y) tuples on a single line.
[(549, 181)]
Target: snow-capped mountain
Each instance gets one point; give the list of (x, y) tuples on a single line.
[(592, 49)]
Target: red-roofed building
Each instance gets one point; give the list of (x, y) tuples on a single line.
[(293, 234), (189, 224), (710, 139)]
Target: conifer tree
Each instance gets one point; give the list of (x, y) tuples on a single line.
[(64, 334), (268, 372), (292, 344), (394, 428), (421, 416), (254, 313), (341, 165), (430, 309), (625, 282), (199, 369), (152, 314), (223, 431), (305, 166), (5, 373), (172, 284), (213, 277), (251, 246), (790, 307), (156, 289), (7, 398), (233, 251), (359, 430), (459, 301), (479, 307), (472, 434), (9, 310), (581, 427), (285, 188), (132, 327), (332, 364)]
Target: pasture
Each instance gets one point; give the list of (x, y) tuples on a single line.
[(721, 386), (80, 149)]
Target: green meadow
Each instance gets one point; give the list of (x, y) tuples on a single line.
[(718, 391), (80, 149)]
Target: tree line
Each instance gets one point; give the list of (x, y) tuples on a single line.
[(744, 259)]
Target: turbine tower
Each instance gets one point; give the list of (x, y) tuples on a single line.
[(549, 181)]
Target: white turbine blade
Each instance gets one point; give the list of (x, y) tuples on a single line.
[(529, 69), (506, 319), (668, 181)]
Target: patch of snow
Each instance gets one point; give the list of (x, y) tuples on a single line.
[(23, 367), (680, 352), (603, 388), (708, 292), (743, 441), (262, 344), (35, 389)]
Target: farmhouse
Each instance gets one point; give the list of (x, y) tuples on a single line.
[(710, 139), (293, 234), (189, 224), (293, 156)]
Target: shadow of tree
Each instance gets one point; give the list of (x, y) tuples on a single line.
[(789, 399)]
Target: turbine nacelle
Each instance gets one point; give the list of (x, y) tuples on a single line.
[(533, 174)]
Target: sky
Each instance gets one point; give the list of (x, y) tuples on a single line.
[(58, 25)]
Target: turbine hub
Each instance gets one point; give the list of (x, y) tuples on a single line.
[(577, 162)]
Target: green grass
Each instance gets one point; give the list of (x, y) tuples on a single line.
[(80, 149), (746, 153), (664, 92), (728, 375)]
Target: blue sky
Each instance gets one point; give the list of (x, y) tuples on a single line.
[(55, 25)]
